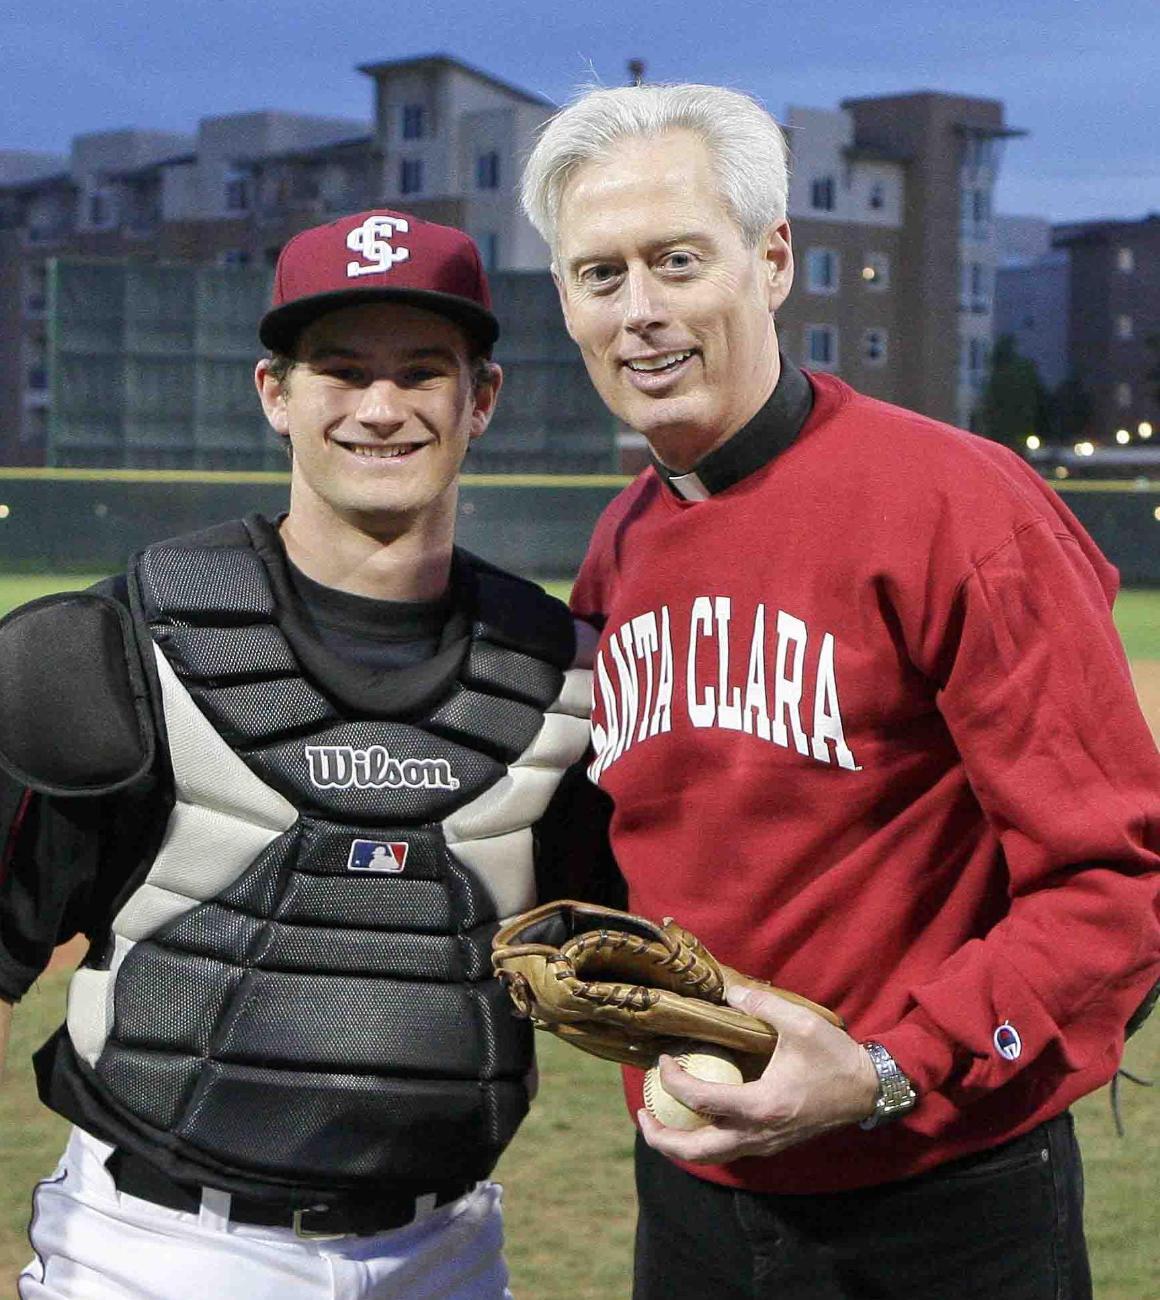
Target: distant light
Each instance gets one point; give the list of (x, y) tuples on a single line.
[(1085, 449), (1061, 471), (1144, 429), (1156, 514), (1033, 442), (869, 274), (1123, 437), (4, 512)]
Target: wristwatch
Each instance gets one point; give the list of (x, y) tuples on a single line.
[(896, 1096)]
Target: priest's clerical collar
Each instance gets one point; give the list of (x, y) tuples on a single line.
[(768, 434)]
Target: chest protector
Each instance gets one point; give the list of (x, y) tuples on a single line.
[(300, 985)]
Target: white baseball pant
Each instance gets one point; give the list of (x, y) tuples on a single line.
[(93, 1242)]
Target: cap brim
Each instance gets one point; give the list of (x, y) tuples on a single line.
[(280, 327)]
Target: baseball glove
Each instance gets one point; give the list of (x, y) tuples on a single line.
[(620, 987)]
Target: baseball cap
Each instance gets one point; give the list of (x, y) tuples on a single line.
[(378, 256)]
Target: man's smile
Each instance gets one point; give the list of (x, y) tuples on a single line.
[(658, 361), (380, 450)]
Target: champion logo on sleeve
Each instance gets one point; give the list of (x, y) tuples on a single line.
[(1007, 1041), (378, 855)]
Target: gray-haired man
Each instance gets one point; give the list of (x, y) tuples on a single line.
[(837, 708)]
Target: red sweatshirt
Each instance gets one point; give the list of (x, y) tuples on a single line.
[(870, 733)]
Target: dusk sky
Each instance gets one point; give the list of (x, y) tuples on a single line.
[(1081, 78)]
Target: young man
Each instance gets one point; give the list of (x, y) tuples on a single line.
[(868, 732), (288, 776)]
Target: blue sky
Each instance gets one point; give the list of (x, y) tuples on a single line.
[(1080, 77)]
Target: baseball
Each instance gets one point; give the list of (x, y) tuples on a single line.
[(702, 1060)]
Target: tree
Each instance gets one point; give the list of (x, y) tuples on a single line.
[(1070, 410), (1014, 398)]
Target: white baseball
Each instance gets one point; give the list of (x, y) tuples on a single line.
[(703, 1061)]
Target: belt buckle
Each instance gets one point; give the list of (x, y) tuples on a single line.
[(309, 1234)]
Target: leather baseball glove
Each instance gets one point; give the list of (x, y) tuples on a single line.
[(623, 988)]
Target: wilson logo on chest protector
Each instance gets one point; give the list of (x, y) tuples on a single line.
[(344, 767)]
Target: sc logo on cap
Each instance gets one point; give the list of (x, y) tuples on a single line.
[(373, 241)]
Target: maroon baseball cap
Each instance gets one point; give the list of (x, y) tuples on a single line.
[(378, 256)]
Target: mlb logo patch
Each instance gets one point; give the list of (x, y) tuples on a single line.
[(1007, 1041), (377, 855)]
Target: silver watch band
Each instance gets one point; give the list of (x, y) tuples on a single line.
[(896, 1095)]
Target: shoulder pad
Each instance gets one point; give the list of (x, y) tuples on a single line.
[(74, 703), (517, 614)]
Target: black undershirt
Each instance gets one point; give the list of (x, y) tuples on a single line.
[(375, 634)]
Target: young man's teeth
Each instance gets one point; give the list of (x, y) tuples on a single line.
[(381, 453), (660, 363)]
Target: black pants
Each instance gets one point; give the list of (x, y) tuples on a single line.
[(1006, 1224)]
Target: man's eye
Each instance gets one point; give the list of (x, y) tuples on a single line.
[(678, 261), (601, 274), (421, 375), (344, 374)]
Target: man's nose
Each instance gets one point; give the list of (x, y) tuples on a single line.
[(381, 403), (644, 301)]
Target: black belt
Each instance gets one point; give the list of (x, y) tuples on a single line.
[(369, 1214)]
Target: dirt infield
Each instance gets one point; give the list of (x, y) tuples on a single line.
[(1145, 672)]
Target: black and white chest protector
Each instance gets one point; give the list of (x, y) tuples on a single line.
[(300, 985)]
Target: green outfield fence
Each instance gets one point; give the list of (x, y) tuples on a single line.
[(90, 520)]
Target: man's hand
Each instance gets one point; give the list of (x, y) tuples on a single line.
[(818, 1079)]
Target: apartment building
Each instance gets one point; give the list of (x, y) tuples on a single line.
[(1113, 325), (890, 204)]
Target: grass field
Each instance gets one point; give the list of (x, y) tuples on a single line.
[(568, 1175)]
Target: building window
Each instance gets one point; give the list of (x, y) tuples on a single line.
[(976, 294), (877, 199), (1125, 259), (976, 211), (35, 288), (487, 170), (237, 190), (822, 346), (1123, 396), (1124, 327), (980, 151), (489, 250), (822, 194), (874, 347), (411, 176), (413, 121), (37, 378), (100, 209), (978, 359), (876, 271), (821, 270), (234, 257)]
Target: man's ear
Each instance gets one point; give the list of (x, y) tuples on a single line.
[(272, 395), (563, 301), (484, 399), (776, 251)]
